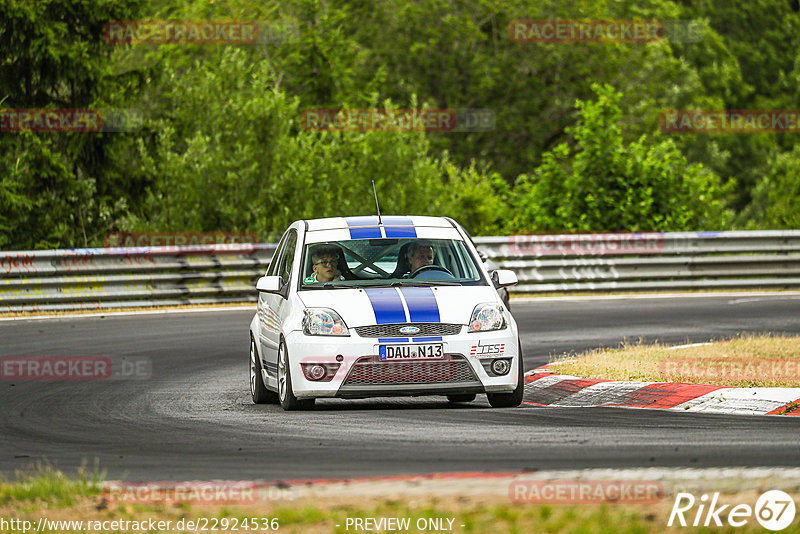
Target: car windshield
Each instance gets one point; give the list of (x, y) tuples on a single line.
[(381, 262)]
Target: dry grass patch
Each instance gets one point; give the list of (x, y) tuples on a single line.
[(744, 361)]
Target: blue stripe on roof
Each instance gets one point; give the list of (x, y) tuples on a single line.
[(366, 227), (401, 231), (371, 232), (363, 220), (394, 220), (386, 304), (422, 306)]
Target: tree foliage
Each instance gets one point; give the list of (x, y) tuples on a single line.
[(776, 197), (59, 188), (603, 184), (221, 147), (242, 162)]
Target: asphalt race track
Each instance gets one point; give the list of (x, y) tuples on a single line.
[(193, 419)]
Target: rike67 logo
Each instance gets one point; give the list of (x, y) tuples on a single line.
[(774, 510), (492, 349)]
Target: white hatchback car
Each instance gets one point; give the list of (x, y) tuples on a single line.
[(355, 307)]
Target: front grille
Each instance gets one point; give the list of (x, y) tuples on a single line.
[(369, 371), (393, 330)]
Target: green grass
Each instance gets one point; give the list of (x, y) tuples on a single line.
[(43, 484), (49, 493)]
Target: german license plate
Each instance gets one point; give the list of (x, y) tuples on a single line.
[(430, 351)]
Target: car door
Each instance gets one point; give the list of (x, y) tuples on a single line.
[(264, 321), (275, 305)]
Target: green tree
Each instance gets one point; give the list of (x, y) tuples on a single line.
[(777, 196), (231, 154), (603, 184), (54, 56)]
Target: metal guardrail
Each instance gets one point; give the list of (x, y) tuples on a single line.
[(163, 276), (130, 277), (648, 261)]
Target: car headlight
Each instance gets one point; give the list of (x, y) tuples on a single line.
[(487, 316), (323, 322)]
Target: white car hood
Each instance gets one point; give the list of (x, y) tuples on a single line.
[(386, 305)]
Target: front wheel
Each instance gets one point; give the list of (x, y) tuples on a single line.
[(285, 393), (513, 399), (259, 392)]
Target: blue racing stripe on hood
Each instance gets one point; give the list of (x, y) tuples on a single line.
[(386, 304), (422, 306)]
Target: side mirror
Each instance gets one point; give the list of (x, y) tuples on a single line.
[(269, 284), (504, 277)]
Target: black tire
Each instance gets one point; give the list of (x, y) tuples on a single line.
[(466, 397), (513, 399), (259, 392), (285, 393)]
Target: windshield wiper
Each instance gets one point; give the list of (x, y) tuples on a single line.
[(328, 285), (420, 283)]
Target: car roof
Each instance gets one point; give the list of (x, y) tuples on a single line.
[(371, 221)]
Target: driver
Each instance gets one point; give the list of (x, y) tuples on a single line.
[(325, 264), (419, 255)]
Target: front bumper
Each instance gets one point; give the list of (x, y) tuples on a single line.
[(360, 374)]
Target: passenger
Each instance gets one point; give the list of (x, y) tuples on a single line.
[(325, 264)]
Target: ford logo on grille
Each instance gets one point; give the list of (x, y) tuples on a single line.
[(409, 330)]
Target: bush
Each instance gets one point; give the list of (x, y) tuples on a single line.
[(601, 184), (228, 153), (777, 195)]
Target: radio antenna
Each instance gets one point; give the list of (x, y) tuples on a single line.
[(377, 205)]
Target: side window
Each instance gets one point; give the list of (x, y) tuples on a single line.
[(272, 270), (285, 266)]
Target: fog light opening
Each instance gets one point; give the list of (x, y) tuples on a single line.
[(501, 367), (317, 372)]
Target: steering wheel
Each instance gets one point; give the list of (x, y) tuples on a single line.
[(426, 268)]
